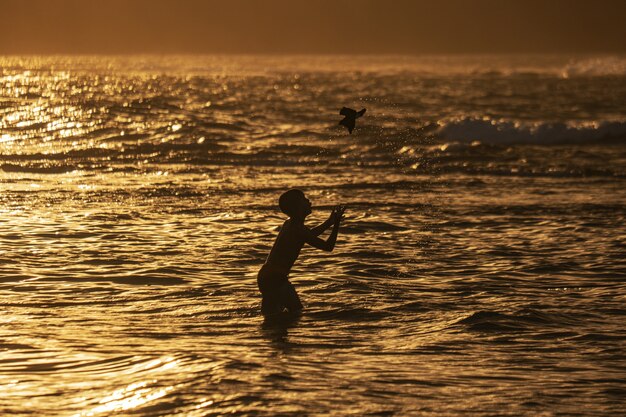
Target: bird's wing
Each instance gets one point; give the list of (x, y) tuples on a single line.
[(348, 112)]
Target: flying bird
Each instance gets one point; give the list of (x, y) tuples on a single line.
[(349, 120)]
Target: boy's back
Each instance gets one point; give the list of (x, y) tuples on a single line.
[(287, 246)]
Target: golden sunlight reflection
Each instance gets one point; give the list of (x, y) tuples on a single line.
[(133, 396), (6, 138), (138, 203), (138, 393)]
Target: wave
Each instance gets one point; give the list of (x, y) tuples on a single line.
[(349, 314), (522, 320), (511, 132), (259, 65), (596, 67)]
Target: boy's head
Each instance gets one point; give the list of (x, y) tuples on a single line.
[(294, 203)]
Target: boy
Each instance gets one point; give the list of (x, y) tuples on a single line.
[(278, 293)]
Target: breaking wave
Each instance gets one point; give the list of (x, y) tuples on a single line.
[(596, 67), (510, 132)]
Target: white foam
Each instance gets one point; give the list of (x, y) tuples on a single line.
[(595, 67), (510, 132)]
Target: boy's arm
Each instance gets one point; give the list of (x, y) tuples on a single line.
[(328, 245), (319, 229)]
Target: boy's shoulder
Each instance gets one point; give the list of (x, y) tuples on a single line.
[(290, 226)]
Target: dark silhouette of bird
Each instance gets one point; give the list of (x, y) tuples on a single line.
[(349, 121)]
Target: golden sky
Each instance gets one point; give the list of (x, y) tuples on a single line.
[(312, 26)]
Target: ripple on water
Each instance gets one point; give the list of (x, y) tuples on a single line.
[(468, 278)]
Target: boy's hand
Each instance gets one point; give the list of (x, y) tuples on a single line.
[(337, 214)]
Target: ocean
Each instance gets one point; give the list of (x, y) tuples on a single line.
[(480, 269)]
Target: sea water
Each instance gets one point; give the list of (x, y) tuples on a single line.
[(480, 269)]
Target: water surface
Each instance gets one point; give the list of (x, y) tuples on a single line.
[(480, 269)]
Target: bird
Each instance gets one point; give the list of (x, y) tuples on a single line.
[(349, 121)]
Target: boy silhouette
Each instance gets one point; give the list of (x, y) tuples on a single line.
[(278, 293)]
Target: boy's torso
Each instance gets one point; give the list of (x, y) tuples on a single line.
[(286, 247)]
